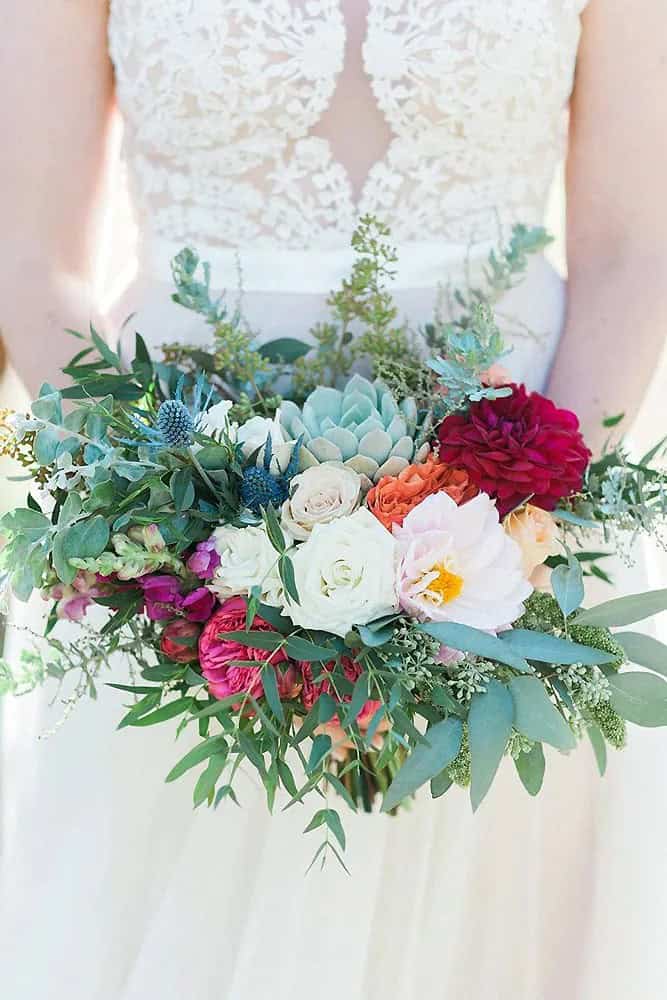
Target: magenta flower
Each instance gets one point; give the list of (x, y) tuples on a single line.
[(204, 560), (198, 606), (162, 594)]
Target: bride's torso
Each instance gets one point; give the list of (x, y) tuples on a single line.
[(261, 130)]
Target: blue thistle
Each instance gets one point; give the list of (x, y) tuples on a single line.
[(174, 424), (260, 487)]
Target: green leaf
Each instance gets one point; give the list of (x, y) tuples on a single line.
[(375, 637), (182, 490), (489, 728), (440, 784), (257, 639), (303, 649), (530, 768), (624, 610), (473, 640), (205, 786), (599, 747), (358, 700), (640, 698), (327, 707), (69, 510), (270, 685), (212, 457), (168, 711), (216, 744), (567, 583), (105, 351), (46, 446), (273, 529), (316, 821), (333, 821), (286, 573), (536, 716), (284, 349), (644, 650), (86, 539), (613, 421), (275, 618), (31, 523), (549, 649), (320, 748), (425, 762)]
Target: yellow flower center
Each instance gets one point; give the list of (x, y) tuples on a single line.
[(446, 585)]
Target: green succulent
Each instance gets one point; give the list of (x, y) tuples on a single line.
[(362, 426)]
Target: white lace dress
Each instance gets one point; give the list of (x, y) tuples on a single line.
[(259, 131)]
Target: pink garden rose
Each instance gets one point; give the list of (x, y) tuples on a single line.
[(217, 654)]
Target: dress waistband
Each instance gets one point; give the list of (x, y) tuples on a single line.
[(420, 264)]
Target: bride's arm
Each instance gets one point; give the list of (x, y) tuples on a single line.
[(617, 214), (55, 109)]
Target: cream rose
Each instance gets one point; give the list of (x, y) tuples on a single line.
[(215, 420), (345, 574), (253, 433), (247, 560), (319, 495), (535, 532)]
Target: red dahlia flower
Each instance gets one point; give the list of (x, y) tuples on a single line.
[(516, 447)]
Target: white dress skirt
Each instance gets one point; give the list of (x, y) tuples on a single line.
[(112, 887)]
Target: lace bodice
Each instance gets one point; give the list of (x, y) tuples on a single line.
[(231, 139)]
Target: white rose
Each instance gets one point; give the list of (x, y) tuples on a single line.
[(247, 560), (345, 574), (253, 433), (320, 495), (215, 420)]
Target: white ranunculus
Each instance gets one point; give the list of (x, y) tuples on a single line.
[(345, 574), (319, 495), (247, 560), (253, 433), (215, 421)]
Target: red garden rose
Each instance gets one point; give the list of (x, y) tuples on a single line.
[(516, 447), (217, 654), (179, 641), (312, 691)]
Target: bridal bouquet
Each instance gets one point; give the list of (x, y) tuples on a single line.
[(352, 569)]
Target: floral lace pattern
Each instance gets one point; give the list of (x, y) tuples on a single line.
[(219, 100)]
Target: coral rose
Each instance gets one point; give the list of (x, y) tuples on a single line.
[(517, 447), (395, 496), (219, 656)]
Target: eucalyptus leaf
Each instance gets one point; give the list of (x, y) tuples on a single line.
[(624, 610), (303, 649), (270, 686), (284, 349), (473, 640), (550, 649), (206, 782), (644, 650), (318, 751), (567, 583), (216, 744), (182, 490), (489, 728), (535, 715), (530, 768), (599, 747), (86, 539), (425, 761), (639, 697)]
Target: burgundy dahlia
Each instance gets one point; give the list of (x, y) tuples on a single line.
[(517, 447)]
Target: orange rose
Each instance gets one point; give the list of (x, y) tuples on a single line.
[(394, 496)]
